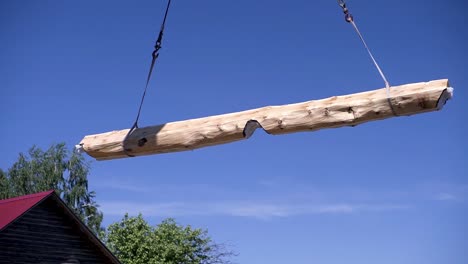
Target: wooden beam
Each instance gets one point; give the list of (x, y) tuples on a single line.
[(337, 111)]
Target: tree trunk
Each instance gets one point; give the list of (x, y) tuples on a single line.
[(337, 111)]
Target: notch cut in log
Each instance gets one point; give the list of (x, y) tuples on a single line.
[(333, 112)]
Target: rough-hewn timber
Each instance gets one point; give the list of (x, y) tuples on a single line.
[(337, 111)]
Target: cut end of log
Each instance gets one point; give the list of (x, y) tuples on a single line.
[(333, 112), (79, 148), (446, 95)]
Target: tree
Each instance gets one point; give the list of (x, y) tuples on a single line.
[(57, 168), (4, 190), (134, 241)]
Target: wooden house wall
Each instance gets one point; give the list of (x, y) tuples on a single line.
[(47, 235)]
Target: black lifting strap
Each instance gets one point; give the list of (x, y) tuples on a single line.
[(155, 55)]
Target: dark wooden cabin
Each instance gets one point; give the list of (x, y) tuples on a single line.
[(40, 228)]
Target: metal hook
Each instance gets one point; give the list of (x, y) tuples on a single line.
[(342, 3), (348, 17)]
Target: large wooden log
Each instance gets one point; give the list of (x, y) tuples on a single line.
[(337, 111)]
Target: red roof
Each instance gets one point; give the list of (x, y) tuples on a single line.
[(11, 209)]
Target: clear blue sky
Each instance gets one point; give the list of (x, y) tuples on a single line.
[(392, 191)]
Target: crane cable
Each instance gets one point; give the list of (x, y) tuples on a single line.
[(154, 55), (350, 19)]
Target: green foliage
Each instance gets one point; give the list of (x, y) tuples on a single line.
[(57, 168), (4, 189), (134, 241)]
